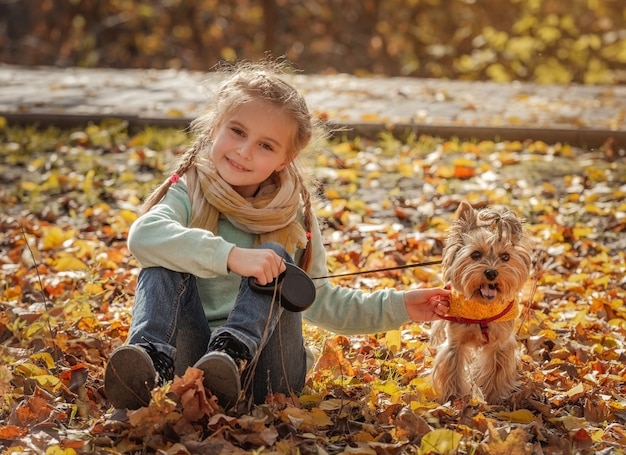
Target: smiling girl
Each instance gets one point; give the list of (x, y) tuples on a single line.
[(237, 207)]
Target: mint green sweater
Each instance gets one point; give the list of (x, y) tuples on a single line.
[(161, 238)]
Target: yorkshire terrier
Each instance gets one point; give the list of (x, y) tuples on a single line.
[(486, 262)]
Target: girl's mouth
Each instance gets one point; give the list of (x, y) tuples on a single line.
[(236, 165)]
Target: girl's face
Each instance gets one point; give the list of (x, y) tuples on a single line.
[(251, 144)]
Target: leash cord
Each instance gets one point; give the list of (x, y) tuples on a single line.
[(386, 269)]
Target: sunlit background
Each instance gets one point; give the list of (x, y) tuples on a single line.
[(545, 41)]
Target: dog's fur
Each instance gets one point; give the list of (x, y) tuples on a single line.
[(486, 262)]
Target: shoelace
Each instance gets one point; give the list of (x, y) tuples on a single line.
[(163, 363), (233, 348)]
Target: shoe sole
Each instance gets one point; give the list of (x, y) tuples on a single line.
[(221, 377), (129, 378)]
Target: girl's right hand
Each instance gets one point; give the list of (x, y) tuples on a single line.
[(262, 264)]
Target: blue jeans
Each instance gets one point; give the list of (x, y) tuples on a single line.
[(168, 312)]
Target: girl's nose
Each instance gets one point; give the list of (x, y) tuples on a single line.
[(245, 151)]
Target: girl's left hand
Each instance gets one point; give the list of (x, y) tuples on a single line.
[(425, 305), (262, 264)]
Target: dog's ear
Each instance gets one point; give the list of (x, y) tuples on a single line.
[(466, 213), (465, 221)]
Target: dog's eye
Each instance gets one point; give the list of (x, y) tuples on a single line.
[(476, 255), (505, 257)]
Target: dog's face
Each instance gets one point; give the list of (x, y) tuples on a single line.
[(487, 256)]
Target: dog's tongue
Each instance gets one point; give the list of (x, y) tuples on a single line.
[(488, 292)]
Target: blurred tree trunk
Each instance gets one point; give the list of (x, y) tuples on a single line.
[(15, 22), (269, 15)]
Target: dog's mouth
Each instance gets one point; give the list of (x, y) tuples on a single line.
[(488, 291)]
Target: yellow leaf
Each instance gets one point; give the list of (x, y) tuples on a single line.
[(445, 172), (441, 441), (576, 390), (29, 370), (85, 248), (299, 418), (548, 34), (332, 193), (524, 47), (93, 288), (513, 444), (549, 334), (45, 357), (362, 436), (29, 186), (498, 73), (519, 416), (597, 436), (175, 113), (49, 382), (348, 175), (58, 450), (602, 281), (320, 418), (342, 148), (463, 162), (332, 404), (570, 422), (393, 339), (595, 210), (406, 170), (423, 386), (54, 237), (126, 177), (370, 117), (36, 164), (388, 387), (52, 183), (228, 54), (577, 277), (88, 182), (67, 263)]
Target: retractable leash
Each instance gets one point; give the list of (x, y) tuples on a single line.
[(296, 288)]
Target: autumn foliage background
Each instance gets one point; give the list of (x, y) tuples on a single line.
[(68, 197), (547, 41)]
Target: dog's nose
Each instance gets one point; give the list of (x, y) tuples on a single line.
[(491, 274)]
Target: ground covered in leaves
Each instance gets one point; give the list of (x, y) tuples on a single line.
[(69, 197)]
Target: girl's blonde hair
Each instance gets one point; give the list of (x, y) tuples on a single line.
[(246, 82)]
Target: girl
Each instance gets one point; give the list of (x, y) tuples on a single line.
[(237, 206)]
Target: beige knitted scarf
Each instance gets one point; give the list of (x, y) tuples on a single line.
[(271, 213)]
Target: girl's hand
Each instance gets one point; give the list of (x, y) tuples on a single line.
[(425, 305), (262, 264)]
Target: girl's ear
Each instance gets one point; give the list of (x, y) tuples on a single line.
[(284, 164)]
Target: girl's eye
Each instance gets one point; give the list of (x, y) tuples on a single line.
[(476, 255), (267, 146), (505, 257), (237, 131)]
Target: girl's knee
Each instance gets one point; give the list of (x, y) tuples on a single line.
[(160, 276)]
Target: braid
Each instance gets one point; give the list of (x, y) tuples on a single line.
[(308, 217), (185, 162)]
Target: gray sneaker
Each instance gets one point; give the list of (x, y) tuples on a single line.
[(221, 377), (132, 372)]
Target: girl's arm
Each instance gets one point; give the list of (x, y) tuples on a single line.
[(161, 238), (353, 311)]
